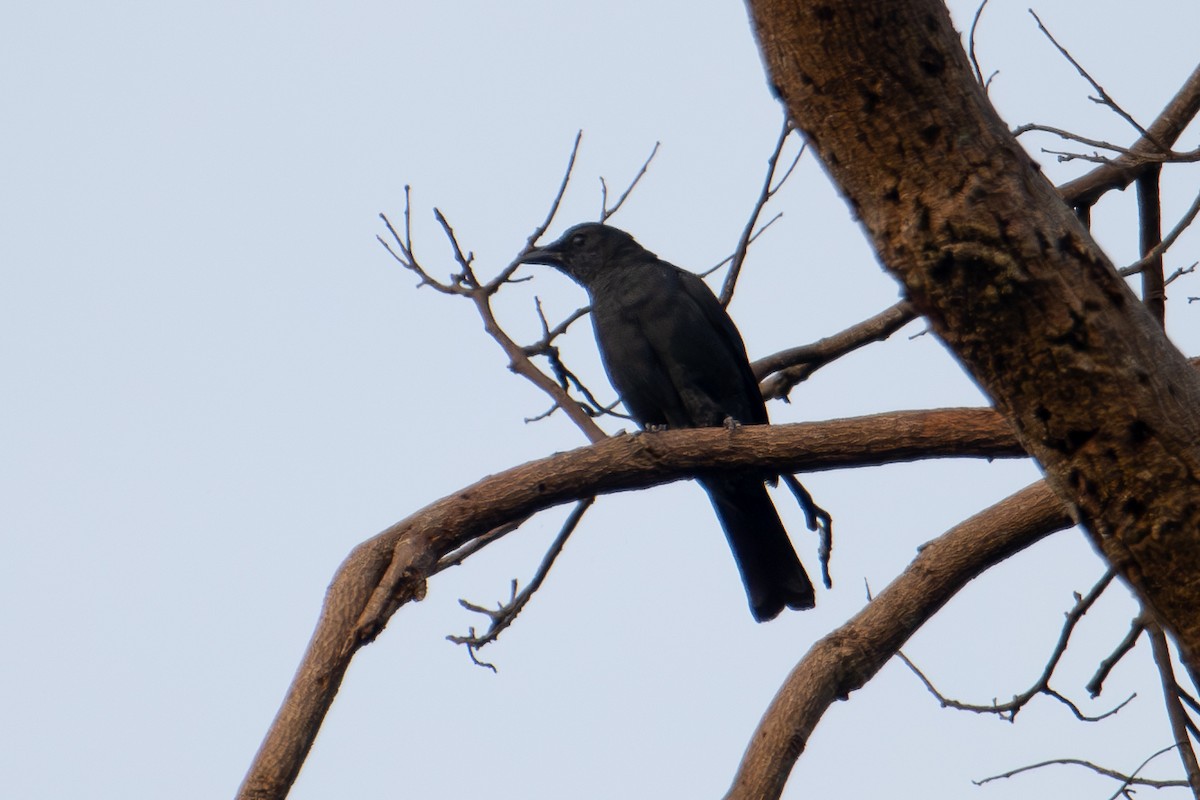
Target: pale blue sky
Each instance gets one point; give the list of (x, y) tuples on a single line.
[(216, 383)]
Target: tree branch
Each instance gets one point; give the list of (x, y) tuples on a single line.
[(795, 364), (1136, 628), (507, 612), (390, 569), (1124, 169), (1126, 780), (605, 211), (847, 658), (1104, 97), (1149, 196), (764, 196), (1175, 710), (1010, 709)]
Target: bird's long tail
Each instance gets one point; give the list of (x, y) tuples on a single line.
[(771, 571)]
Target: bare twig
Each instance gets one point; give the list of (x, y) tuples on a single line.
[(505, 275), (1166, 129), (1126, 780), (543, 345), (472, 547), (986, 84), (1074, 137), (405, 256), (1065, 156), (466, 277), (1096, 684), (1158, 250), (566, 378), (605, 211), (764, 196), (466, 283), (1166, 157), (1179, 273), (506, 613), (761, 230), (1010, 709), (1104, 98), (1175, 711), (540, 230)]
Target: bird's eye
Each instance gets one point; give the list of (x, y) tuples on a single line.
[(578, 239)]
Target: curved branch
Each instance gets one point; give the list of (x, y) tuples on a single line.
[(390, 569), (851, 655)]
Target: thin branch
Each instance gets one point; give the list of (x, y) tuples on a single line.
[(1166, 129), (1104, 98), (566, 378), (1121, 789), (1179, 273), (465, 283), (764, 196), (727, 259), (1168, 240), (549, 334), (405, 257), (1167, 157), (971, 48), (1136, 628), (472, 547), (1065, 156), (521, 364), (507, 612), (541, 229), (1010, 709), (1175, 711), (466, 276), (1074, 137), (1126, 780), (505, 275), (605, 211)]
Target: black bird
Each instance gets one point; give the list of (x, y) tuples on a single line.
[(676, 359)]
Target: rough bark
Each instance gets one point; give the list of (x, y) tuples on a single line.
[(1006, 275)]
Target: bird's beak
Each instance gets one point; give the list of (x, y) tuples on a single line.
[(547, 255)]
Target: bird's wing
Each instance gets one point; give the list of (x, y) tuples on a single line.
[(727, 374)]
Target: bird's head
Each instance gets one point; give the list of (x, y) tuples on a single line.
[(585, 251)]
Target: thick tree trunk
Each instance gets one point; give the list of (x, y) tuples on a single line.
[(1006, 275)]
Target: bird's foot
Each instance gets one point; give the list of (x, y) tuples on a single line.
[(731, 424)]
